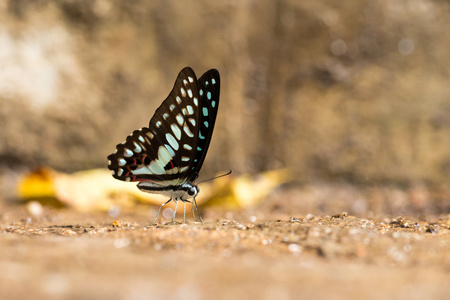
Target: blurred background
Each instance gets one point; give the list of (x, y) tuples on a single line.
[(353, 98)]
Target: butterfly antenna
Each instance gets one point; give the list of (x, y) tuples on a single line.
[(223, 175)]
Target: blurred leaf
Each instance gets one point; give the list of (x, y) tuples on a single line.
[(96, 189), (85, 190), (245, 190), (38, 184)]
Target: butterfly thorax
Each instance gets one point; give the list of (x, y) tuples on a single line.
[(184, 191)]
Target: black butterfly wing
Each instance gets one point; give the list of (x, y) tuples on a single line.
[(209, 92), (163, 153)]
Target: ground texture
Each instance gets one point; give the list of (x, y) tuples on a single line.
[(70, 255)]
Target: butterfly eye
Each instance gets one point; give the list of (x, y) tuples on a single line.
[(193, 191)]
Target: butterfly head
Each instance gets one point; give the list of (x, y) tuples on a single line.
[(189, 191), (192, 191)]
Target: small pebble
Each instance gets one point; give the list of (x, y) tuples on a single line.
[(309, 216)]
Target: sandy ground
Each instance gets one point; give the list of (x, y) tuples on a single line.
[(70, 255)]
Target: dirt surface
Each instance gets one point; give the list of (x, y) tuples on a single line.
[(70, 255)]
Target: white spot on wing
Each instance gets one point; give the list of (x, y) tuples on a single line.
[(128, 153), (184, 158), (163, 155), (157, 166), (184, 111), (171, 107), (180, 119), (190, 109), (172, 141), (158, 123), (120, 172), (143, 170), (192, 121), (190, 93), (190, 79), (121, 162), (187, 147), (178, 99), (138, 149), (183, 169), (141, 138), (176, 130), (188, 131), (171, 152), (195, 101), (213, 81), (185, 82), (183, 92)]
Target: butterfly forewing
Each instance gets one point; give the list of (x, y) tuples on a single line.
[(178, 116), (209, 91), (163, 153)]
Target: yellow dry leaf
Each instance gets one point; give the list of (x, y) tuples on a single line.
[(96, 189)]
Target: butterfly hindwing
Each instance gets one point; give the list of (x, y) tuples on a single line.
[(163, 153)]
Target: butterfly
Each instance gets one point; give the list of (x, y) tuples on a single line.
[(166, 157)]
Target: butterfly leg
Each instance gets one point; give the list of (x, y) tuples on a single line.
[(184, 214), (175, 211), (159, 210), (193, 213), (198, 213)]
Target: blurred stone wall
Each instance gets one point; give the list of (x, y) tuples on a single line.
[(336, 90)]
